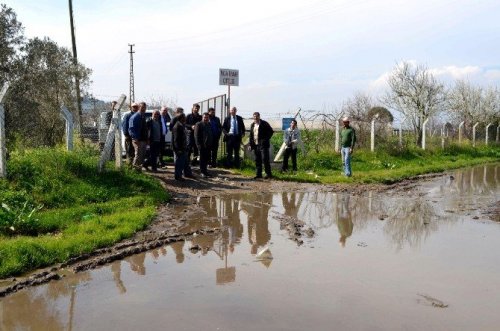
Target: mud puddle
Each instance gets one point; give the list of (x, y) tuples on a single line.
[(420, 259)]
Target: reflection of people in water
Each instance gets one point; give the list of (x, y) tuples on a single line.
[(344, 221), (206, 242), (233, 223), (116, 269), (258, 224), (137, 263), (290, 204), (177, 247)]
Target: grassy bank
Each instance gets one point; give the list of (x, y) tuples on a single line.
[(55, 205), (383, 166)]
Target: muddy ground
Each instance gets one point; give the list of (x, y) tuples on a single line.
[(168, 227)]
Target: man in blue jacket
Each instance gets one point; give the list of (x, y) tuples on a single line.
[(139, 133), (129, 147)]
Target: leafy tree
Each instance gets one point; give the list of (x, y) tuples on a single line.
[(382, 113), (45, 82), (11, 42)]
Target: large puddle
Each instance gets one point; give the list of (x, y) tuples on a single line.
[(425, 260)]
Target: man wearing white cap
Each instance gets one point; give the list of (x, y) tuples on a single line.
[(348, 139)]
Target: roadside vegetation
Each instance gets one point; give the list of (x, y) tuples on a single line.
[(388, 164), (54, 205)]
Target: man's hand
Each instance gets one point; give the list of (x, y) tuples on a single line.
[(351, 150)]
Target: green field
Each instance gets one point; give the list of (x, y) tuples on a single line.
[(388, 164), (54, 205)]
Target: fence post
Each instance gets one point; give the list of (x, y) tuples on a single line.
[(460, 128), (108, 145), (474, 134), (423, 133), (442, 135), (498, 133), (3, 143), (401, 132), (372, 136), (68, 117), (337, 135), (487, 133), (118, 133)]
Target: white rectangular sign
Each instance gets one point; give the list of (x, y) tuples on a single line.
[(229, 77)]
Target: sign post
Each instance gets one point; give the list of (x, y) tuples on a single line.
[(229, 77)]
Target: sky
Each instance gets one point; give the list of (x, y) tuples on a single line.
[(312, 54)]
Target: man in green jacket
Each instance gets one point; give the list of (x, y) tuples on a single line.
[(348, 139)]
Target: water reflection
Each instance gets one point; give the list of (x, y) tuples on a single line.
[(406, 222), (344, 222), (258, 221)]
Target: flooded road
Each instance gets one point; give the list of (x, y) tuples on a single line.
[(425, 259)]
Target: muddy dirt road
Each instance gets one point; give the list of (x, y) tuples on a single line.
[(233, 254)]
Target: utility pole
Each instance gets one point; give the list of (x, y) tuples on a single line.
[(75, 64), (131, 89)]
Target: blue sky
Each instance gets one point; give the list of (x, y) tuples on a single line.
[(296, 53)]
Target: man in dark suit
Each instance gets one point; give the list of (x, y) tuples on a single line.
[(191, 121), (216, 133), (204, 139), (234, 130), (260, 136), (179, 143)]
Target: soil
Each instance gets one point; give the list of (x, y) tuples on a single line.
[(168, 225)]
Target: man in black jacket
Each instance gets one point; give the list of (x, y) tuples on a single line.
[(204, 140), (216, 133), (191, 121), (234, 130), (179, 143), (260, 136)]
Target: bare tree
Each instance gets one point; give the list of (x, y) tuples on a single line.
[(415, 93), (464, 101), (491, 105)]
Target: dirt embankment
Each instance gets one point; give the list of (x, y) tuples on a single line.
[(168, 225)]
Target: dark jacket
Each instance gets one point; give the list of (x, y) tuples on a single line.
[(203, 135), (216, 127), (137, 127), (264, 135), (149, 124), (191, 120), (179, 138), (172, 123), (226, 127)]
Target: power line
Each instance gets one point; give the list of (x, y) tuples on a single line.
[(131, 87)]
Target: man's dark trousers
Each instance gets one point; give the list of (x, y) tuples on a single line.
[(262, 154), (204, 158), (233, 147), (213, 153)]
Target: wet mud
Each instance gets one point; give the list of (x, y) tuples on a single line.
[(420, 234)]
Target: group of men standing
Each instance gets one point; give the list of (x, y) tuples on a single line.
[(196, 136), (140, 132), (199, 135)]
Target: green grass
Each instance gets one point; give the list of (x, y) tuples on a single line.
[(388, 165), (81, 210)]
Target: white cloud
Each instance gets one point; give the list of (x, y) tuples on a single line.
[(456, 72)]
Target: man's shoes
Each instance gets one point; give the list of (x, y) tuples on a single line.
[(257, 177), (205, 175), (180, 179), (190, 176), (268, 176)]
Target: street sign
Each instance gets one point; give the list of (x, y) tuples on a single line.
[(286, 122), (230, 77)]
